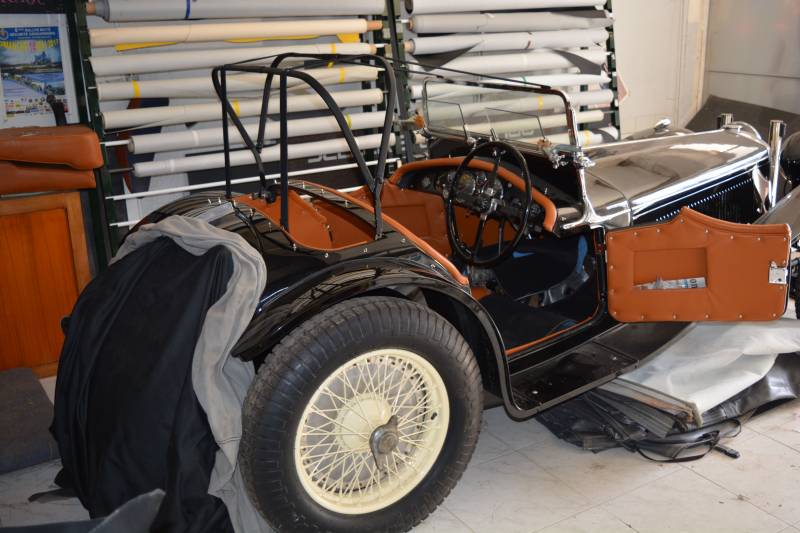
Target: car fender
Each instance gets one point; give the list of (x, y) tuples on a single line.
[(282, 309)]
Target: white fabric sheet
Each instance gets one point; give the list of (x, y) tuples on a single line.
[(711, 362)]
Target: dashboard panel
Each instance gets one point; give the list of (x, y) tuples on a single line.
[(474, 192)]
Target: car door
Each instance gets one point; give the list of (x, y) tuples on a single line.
[(698, 268)]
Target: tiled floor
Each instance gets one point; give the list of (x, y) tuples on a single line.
[(522, 479)]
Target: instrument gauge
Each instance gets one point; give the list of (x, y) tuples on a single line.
[(496, 191), (466, 184)]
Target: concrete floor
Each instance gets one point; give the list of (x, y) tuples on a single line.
[(522, 479)]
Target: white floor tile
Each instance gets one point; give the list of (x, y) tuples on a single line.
[(512, 494), (17, 487), (685, 501), (489, 447), (595, 520), (516, 435), (767, 474), (598, 476), (523, 479), (775, 417), (442, 521), (783, 426)]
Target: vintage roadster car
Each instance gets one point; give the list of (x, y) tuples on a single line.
[(510, 266)]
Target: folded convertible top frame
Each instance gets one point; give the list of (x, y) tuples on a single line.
[(374, 182)]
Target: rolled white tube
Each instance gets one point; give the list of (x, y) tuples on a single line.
[(140, 10), (140, 63), (205, 137), (551, 80), (492, 42), (201, 86), (585, 137), (245, 157), (502, 63), (419, 7), (529, 103), (237, 181), (195, 33), (167, 115), (498, 22)]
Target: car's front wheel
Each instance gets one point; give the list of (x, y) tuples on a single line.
[(362, 419)]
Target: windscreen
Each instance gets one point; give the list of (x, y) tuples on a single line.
[(510, 113)]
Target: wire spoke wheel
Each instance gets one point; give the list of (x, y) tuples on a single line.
[(362, 418), (372, 431)]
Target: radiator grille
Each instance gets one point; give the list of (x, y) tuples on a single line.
[(734, 200)]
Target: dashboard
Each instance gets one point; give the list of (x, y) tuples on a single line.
[(473, 192)]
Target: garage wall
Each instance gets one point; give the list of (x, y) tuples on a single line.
[(754, 52), (660, 59)]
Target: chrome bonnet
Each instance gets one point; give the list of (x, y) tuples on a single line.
[(631, 178)]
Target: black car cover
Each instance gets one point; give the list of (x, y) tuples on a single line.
[(127, 420)]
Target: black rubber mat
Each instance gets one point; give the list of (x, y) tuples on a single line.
[(25, 417)]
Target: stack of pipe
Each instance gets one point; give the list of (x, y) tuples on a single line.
[(245, 157), (201, 86), (147, 10), (523, 44), (130, 62)]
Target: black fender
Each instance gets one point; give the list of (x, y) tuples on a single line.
[(283, 309)]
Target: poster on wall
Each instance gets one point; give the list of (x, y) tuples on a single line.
[(35, 62)]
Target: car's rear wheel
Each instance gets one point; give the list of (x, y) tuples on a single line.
[(362, 419)]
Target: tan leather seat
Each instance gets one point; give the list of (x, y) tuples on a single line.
[(38, 159)]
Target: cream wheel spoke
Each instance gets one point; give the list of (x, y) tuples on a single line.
[(328, 454), (360, 410), (418, 418), (414, 443), (372, 431)]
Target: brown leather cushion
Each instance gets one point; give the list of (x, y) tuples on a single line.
[(73, 146), (733, 258), (422, 213), (16, 178)]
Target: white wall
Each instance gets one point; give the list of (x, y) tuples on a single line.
[(754, 52), (660, 59)]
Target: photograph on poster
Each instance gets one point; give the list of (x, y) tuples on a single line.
[(34, 63)]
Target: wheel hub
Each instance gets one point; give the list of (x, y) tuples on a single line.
[(363, 414), (384, 439)]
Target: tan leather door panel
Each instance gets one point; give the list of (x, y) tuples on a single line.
[(733, 261)]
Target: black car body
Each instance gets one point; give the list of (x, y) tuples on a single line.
[(540, 319)]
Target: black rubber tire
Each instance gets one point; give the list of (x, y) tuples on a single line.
[(299, 364)]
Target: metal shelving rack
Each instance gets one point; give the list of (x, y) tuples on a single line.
[(390, 38), (102, 210)]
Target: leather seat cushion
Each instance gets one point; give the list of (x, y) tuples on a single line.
[(75, 146)]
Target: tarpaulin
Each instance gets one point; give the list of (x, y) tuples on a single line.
[(147, 394)]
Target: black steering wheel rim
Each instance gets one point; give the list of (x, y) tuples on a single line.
[(467, 253)]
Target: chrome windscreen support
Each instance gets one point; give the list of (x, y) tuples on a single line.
[(777, 130)]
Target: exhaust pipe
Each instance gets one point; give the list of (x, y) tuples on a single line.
[(777, 130)]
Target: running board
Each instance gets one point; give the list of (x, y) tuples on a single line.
[(587, 366)]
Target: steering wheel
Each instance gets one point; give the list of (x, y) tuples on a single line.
[(486, 199)]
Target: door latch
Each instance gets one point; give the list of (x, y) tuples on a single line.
[(778, 275)]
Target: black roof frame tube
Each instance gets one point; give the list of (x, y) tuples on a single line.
[(373, 182)]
